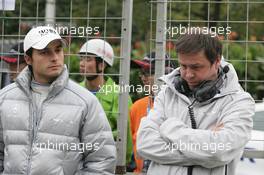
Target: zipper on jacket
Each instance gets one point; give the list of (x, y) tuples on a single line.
[(194, 126), (31, 135), (35, 123)]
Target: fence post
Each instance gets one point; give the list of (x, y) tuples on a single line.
[(121, 141), (160, 42)]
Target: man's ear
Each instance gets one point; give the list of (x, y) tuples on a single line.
[(102, 66), (28, 59), (218, 62)]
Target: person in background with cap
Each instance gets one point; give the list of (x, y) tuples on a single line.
[(15, 60), (141, 107), (96, 56), (48, 123)]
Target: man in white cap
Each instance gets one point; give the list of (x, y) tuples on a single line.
[(49, 124)]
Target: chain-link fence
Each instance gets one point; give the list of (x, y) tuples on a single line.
[(238, 23)]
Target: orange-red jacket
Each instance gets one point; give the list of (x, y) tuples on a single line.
[(138, 110)]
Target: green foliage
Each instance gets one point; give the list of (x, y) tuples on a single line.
[(248, 62)]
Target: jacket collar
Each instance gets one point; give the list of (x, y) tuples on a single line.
[(25, 77), (103, 93)]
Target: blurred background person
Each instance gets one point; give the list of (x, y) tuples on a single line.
[(142, 106), (15, 60)]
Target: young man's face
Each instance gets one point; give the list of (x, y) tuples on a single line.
[(88, 65), (47, 63), (16, 69), (195, 68)]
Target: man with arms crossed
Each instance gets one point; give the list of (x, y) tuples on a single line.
[(202, 118)]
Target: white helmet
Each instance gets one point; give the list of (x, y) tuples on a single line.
[(100, 48)]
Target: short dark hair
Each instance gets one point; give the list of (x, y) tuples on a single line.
[(29, 52), (194, 42)]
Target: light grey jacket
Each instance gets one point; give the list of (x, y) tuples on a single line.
[(166, 138), (72, 135)]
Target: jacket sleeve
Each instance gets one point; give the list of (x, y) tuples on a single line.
[(2, 146), (150, 144), (214, 148), (96, 130)]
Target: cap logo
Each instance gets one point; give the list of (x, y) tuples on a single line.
[(44, 32)]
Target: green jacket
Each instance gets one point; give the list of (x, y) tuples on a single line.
[(109, 100)]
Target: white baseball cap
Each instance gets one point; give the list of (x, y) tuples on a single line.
[(40, 37)]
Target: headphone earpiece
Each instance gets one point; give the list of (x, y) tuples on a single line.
[(182, 86), (208, 90)]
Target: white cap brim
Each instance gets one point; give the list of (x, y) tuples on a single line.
[(45, 41)]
